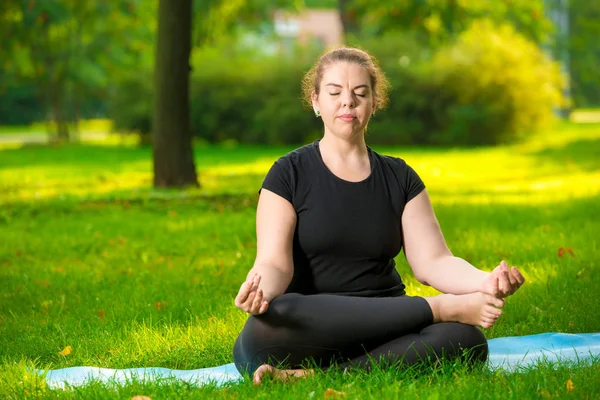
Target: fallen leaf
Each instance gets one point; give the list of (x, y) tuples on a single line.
[(332, 393), (141, 398), (101, 314), (561, 251), (570, 385), (570, 251), (160, 305), (544, 393), (112, 351), (66, 351)]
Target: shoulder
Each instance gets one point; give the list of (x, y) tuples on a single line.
[(299, 156), (395, 168), (396, 164)]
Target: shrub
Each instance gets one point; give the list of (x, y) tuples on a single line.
[(501, 85), (487, 87)]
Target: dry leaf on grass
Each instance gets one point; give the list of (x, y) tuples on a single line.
[(66, 351), (570, 385), (333, 394)]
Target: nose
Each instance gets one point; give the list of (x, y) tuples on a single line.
[(348, 100)]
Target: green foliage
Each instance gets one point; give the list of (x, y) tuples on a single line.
[(488, 87), (584, 52), (19, 104), (71, 50), (236, 94), (441, 20)]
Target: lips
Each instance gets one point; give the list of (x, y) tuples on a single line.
[(347, 117)]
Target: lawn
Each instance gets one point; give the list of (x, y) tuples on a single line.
[(91, 257)]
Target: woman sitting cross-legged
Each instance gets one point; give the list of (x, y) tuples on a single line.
[(331, 217)]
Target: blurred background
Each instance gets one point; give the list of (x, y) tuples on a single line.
[(464, 72)]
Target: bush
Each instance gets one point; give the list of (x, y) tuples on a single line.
[(487, 87), (130, 103)]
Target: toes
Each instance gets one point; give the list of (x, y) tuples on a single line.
[(494, 301), (486, 323), (260, 373), (492, 313)]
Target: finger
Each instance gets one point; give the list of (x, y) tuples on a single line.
[(255, 281), (247, 305), (520, 278), (243, 294), (255, 307), (512, 279), (504, 283), (497, 287), (264, 306)]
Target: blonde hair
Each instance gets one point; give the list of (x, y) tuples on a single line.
[(379, 84)]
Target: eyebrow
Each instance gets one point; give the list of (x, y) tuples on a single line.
[(340, 86)]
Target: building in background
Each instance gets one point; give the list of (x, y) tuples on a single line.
[(321, 25)]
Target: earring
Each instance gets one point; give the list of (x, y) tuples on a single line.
[(318, 113)]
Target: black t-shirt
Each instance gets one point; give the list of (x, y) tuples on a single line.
[(347, 233)]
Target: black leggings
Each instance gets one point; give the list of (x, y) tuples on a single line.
[(344, 331)]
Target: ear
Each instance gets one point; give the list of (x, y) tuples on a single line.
[(314, 99)]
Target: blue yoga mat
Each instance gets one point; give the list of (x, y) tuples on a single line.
[(507, 353)]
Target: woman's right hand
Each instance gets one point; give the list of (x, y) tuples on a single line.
[(250, 297)]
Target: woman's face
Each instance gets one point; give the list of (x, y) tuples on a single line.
[(345, 99)]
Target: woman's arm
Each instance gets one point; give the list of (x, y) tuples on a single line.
[(275, 225), (428, 255)]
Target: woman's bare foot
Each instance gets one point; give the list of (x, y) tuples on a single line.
[(283, 375), (478, 309)]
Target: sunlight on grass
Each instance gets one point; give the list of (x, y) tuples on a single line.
[(542, 170)]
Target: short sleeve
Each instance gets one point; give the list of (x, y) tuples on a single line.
[(279, 179), (413, 183)]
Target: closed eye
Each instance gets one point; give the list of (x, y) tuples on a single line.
[(359, 95)]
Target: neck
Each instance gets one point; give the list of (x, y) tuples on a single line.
[(343, 148)]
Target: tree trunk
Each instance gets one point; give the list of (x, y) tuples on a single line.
[(62, 125), (172, 140)]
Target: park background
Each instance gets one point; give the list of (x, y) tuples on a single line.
[(134, 136)]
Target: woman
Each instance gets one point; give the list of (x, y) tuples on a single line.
[(331, 217)]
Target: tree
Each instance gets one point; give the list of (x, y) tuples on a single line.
[(584, 52), (440, 20), (68, 49), (172, 141)]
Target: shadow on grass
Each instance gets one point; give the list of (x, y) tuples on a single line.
[(112, 157), (159, 202)]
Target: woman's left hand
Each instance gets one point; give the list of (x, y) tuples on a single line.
[(509, 281)]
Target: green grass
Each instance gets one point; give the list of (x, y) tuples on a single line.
[(92, 125), (92, 258)]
